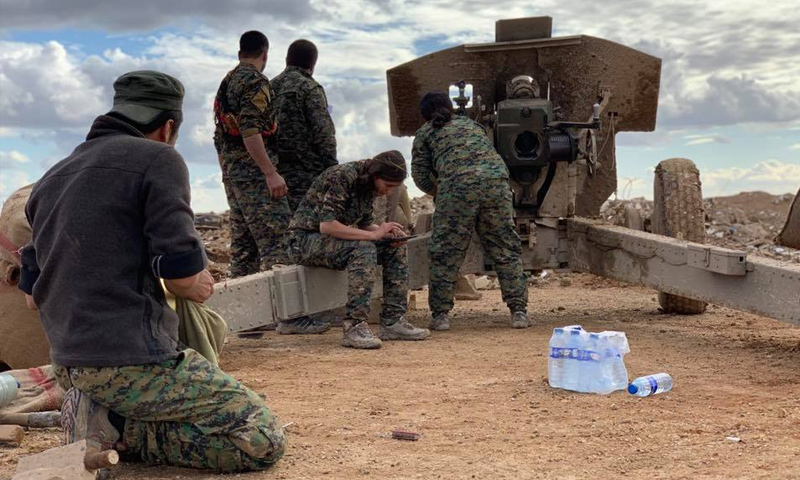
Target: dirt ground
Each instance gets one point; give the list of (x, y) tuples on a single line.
[(478, 395)]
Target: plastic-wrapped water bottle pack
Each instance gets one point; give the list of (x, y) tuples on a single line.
[(587, 362)]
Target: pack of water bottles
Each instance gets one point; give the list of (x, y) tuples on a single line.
[(587, 362)]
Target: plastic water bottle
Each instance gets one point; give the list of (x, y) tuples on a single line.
[(651, 385), (8, 389), (593, 365), (572, 363), (618, 347), (555, 363)]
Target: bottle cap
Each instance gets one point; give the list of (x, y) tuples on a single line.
[(633, 389)]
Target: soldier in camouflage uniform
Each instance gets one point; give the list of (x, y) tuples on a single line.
[(333, 228), (306, 141), (454, 160), (114, 340), (245, 140), (306, 137)]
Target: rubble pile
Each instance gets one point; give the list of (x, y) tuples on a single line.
[(215, 230), (420, 205), (747, 221)]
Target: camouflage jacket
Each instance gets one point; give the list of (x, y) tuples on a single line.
[(306, 137), (333, 196), (458, 151), (250, 101)]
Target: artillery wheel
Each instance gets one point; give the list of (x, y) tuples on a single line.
[(678, 213)]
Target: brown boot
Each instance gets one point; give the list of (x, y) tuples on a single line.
[(520, 320), (359, 336), (402, 330)]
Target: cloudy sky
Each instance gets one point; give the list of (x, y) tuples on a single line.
[(729, 100)]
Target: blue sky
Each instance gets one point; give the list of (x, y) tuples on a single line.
[(729, 99)]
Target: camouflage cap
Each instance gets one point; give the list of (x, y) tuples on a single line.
[(141, 95)]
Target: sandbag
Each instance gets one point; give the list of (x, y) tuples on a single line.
[(39, 391), (22, 340), (790, 235), (200, 328)]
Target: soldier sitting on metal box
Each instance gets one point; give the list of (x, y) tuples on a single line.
[(333, 228)]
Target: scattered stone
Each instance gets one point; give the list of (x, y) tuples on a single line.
[(486, 283), (746, 221)]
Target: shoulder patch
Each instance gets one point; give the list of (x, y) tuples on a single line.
[(262, 99)]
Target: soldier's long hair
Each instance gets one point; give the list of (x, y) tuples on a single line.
[(436, 108), (389, 166)]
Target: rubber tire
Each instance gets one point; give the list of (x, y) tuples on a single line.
[(678, 213)]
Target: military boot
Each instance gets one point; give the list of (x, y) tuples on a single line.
[(302, 326), (440, 322), (403, 330), (83, 418), (520, 320), (359, 335)]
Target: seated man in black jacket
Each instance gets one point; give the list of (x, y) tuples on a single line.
[(108, 222)]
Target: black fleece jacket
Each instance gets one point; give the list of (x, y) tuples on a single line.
[(108, 221)]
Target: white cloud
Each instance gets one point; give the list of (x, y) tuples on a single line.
[(773, 176), (6, 132), (208, 195), (796, 146), (12, 180), (42, 86), (11, 158), (703, 139)]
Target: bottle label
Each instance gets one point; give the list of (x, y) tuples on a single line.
[(653, 384), (574, 354)]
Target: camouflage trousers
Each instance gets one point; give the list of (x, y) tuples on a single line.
[(298, 184), (184, 412), (360, 259), (258, 222), (485, 207)]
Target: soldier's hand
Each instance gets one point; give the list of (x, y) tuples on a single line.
[(389, 230), (276, 185), (203, 289), (396, 229)]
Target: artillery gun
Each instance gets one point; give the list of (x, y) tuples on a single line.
[(528, 89), (553, 107)]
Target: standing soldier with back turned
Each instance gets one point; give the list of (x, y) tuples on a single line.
[(307, 137), (306, 141), (246, 145)]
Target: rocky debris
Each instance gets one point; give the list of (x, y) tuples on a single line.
[(420, 205), (215, 230), (613, 211), (747, 221)]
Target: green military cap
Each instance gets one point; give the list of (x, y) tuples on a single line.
[(140, 96)]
